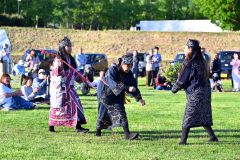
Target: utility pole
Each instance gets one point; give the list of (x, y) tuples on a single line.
[(18, 6)]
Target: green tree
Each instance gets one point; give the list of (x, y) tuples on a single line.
[(225, 13)]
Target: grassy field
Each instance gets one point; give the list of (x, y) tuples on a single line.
[(24, 134)]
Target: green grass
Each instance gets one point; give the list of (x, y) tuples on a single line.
[(24, 134)]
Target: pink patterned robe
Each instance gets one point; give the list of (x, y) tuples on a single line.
[(66, 108)]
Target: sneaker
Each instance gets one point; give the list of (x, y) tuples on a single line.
[(98, 133), (182, 143), (34, 106), (214, 139), (132, 136), (82, 130)]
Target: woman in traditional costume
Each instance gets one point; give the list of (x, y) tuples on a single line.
[(66, 108), (111, 91), (194, 79)]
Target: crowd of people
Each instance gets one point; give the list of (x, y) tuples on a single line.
[(57, 88)]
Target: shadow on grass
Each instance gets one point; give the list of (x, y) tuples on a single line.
[(172, 134)]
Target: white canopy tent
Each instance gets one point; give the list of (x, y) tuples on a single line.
[(179, 26)]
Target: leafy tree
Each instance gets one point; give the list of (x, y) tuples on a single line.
[(225, 13)]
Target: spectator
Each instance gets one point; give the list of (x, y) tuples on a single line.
[(32, 59), (6, 59), (235, 72), (29, 93), (81, 61), (162, 84), (41, 82), (149, 68), (19, 69), (89, 74), (10, 100), (135, 65), (97, 81), (216, 66), (216, 83), (157, 61)]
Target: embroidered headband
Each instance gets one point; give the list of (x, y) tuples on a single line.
[(127, 59)]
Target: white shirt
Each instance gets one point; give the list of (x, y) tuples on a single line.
[(81, 61), (27, 92), (3, 90)]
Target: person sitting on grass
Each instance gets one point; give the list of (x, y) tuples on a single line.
[(41, 82), (216, 83), (10, 100), (162, 84), (29, 93)]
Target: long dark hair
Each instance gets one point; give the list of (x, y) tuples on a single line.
[(196, 57), (63, 55)]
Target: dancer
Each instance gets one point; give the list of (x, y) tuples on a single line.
[(66, 108), (194, 79), (111, 95)]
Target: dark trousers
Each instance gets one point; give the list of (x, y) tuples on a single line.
[(149, 78)]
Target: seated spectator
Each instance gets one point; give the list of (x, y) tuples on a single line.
[(216, 83), (162, 84), (29, 93), (10, 100), (41, 82)]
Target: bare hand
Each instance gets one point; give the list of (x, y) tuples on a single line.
[(18, 93), (132, 89), (142, 102), (35, 90)]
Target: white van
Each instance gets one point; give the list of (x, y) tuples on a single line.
[(5, 65)]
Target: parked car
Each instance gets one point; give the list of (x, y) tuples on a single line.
[(225, 58), (98, 62), (45, 58), (179, 58)]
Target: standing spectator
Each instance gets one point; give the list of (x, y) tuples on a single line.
[(41, 82), (216, 66), (157, 61), (32, 59), (194, 79), (19, 69), (135, 65), (6, 59), (12, 100), (149, 68), (81, 61), (235, 72)]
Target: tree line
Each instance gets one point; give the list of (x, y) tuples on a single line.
[(118, 14)]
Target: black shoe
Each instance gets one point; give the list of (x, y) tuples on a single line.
[(214, 139), (51, 129), (132, 136), (82, 130), (182, 143), (98, 133)]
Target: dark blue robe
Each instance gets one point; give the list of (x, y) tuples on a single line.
[(111, 97), (198, 110)]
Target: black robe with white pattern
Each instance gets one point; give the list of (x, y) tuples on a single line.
[(198, 110)]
